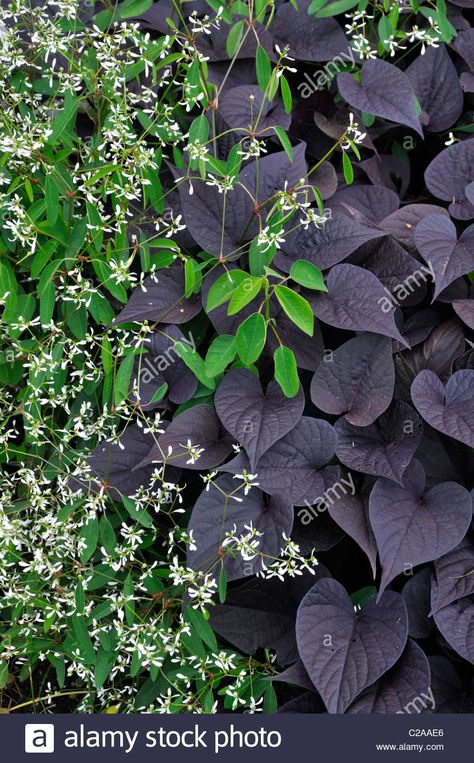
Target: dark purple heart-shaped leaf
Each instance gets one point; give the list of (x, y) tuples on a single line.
[(387, 170), (450, 409), (162, 365), (419, 326), (447, 686), (296, 674), (356, 379), (292, 467), (402, 223), (356, 301), (215, 514), (116, 466), (459, 289), (401, 275), (324, 178), (384, 91), (310, 38), (374, 201), (216, 221), (448, 257), (243, 72), (326, 246), (351, 512), (417, 595), (384, 448), (464, 45), (268, 176), (260, 614), (467, 83), (448, 175), (465, 309), (343, 651), (443, 346), (405, 688), (456, 623), (240, 106), (412, 526), (214, 47), (454, 575), (435, 459), (313, 528), (161, 299), (255, 419), (221, 222), (310, 703), (436, 84), (308, 350), (194, 430)]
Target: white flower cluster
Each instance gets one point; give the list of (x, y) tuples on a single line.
[(362, 43)]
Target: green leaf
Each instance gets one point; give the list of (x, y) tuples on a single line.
[(52, 200), (272, 88), (270, 702), (65, 117), (89, 533), (347, 167), (358, 598), (81, 633), (106, 355), (130, 8), (333, 9), (367, 119), (286, 94), (316, 5), (47, 302), (202, 627), (195, 363), (286, 372), (104, 664), (297, 308), (234, 160), (307, 274), (79, 598), (122, 379), (160, 393), (222, 585), (263, 67), (192, 278), (285, 142), (139, 515), (107, 535), (101, 309), (216, 5), (75, 240), (199, 130), (234, 37), (128, 591), (260, 257), (3, 674), (384, 28), (244, 293), (250, 338), (59, 665), (222, 289), (220, 354)]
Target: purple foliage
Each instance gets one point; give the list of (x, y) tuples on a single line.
[(392, 401)]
